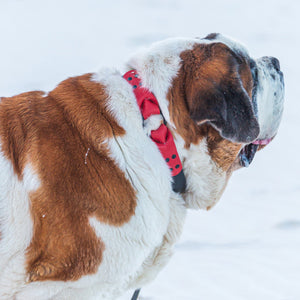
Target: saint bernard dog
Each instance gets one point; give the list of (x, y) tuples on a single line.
[(88, 207)]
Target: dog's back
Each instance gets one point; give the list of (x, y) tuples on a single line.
[(62, 190), (45, 231)]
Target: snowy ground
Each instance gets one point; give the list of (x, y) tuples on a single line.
[(248, 246)]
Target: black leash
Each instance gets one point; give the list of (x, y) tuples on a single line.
[(136, 294)]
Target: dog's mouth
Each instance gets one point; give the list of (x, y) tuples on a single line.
[(247, 153)]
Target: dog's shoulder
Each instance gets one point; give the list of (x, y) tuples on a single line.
[(85, 144), (64, 137)]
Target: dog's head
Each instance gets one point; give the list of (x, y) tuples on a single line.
[(253, 91), (222, 87), (222, 104)]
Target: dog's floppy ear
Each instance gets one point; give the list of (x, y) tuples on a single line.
[(227, 107)]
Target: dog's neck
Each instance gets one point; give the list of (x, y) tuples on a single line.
[(161, 134), (158, 67)]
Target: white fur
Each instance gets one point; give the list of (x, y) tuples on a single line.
[(230, 42), (152, 123), (158, 65), (270, 93), (205, 180), (15, 226)]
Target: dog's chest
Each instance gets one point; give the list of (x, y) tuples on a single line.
[(135, 253)]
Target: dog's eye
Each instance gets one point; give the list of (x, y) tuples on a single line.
[(254, 74), (253, 69)]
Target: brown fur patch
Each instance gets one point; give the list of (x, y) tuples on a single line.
[(222, 151), (204, 68), (179, 112), (62, 136)]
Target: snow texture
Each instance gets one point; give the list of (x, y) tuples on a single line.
[(248, 246)]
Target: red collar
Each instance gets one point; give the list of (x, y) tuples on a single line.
[(162, 137)]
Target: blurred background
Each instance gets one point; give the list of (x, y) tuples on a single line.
[(248, 246)]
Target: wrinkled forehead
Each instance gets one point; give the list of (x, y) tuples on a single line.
[(241, 62), (234, 45)]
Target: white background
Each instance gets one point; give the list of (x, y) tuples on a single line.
[(248, 246)]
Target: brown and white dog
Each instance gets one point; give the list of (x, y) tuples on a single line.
[(87, 209)]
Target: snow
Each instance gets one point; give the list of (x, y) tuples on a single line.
[(248, 246), (86, 156)]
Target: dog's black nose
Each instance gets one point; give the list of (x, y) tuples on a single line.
[(275, 63)]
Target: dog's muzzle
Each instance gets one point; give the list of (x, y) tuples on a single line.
[(268, 98)]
